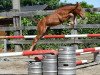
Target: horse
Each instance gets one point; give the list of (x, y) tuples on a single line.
[(59, 16)]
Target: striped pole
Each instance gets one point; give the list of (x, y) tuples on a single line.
[(39, 58), (50, 36), (37, 52), (79, 62), (27, 53), (88, 50)]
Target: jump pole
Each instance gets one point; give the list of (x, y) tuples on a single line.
[(96, 51), (27, 53), (50, 36), (79, 62), (88, 50), (78, 54)]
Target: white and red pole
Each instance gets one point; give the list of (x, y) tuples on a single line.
[(50, 36), (37, 52), (78, 54), (79, 62), (28, 53), (96, 49)]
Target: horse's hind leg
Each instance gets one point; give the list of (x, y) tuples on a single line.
[(41, 31)]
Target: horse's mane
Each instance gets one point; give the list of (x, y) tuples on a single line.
[(67, 5)]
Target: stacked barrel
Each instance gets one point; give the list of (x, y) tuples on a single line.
[(62, 64), (66, 61), (46, 66), (35, 68), (50, 65)]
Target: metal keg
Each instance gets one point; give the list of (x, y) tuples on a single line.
[(66, 58), (35, 68), (65, 50), (67, 61), (50, 64), (66, 64), (66, 71), (97, 57), (66, 54)]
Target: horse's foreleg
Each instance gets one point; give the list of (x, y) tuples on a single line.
[(70, 17), (35, 41), (72, 20)]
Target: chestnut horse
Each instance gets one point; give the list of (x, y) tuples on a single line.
[(59, 16)]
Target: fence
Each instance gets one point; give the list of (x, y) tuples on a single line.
[(27, 41), (18, 28)]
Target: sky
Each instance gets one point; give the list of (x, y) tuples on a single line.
[(96, 3)]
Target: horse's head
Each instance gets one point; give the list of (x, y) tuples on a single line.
[(79, 10)]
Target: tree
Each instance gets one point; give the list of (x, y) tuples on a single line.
[(5, 4), (85, 5), (51, 3)]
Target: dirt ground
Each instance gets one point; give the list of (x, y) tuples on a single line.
[(13, 65), (19, 66)]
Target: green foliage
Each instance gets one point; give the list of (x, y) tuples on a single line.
[(5, 4), (26, 22), (29, 21), (50, 3), (32, 21), (85, 5), (93, 18)]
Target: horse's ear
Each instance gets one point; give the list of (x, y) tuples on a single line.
[(77, 4)]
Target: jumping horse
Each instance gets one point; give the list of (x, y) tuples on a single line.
[(57, 17)]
